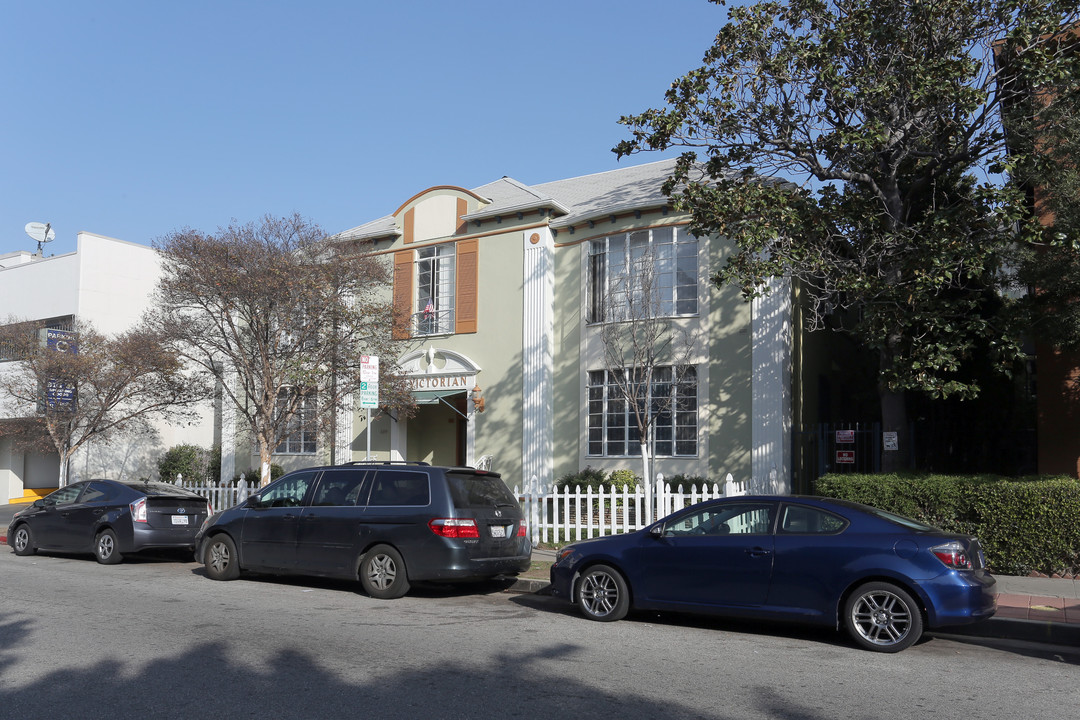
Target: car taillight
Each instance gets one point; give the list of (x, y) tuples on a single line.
[(953, 555), (138, 510), (209, 509), (521, 528), (455, 527)]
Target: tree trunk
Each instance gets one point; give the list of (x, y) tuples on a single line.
[(894, 419), (264, 462), (646, 477)]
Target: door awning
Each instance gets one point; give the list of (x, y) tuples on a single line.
[(434, 397)]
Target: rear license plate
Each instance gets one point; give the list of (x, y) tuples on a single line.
[(179, 520), (498, 531)]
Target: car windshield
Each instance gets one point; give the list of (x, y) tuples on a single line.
[(472, 491)]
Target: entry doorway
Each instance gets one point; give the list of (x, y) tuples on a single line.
[(437, 433)]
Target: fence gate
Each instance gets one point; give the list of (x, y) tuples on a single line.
[(835, 448)]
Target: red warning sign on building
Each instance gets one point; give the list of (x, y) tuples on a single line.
[(845, 457)]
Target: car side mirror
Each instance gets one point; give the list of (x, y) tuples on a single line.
[(255, 503), (657, 531)]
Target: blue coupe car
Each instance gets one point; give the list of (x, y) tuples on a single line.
[(883, 577)]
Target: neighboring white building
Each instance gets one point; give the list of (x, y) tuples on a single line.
[(108, 282)]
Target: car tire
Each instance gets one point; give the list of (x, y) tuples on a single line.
[(883, 617), (383, 574), (602, 594), (105, 548), (222, 562), (23, 541)]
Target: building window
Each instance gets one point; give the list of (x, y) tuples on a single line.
[(300, 436), (644, 273), (613, 430), (434, 290)]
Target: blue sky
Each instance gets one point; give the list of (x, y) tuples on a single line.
[(135, 119)]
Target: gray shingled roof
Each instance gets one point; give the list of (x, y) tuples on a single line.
[(609, 193), (573, 200)]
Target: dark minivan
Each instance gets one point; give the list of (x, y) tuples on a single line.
[(388, 524)]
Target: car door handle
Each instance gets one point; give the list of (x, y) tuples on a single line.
[(758, 552)]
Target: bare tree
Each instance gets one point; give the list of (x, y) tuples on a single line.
[(647, 357), (281, 318), (88, 386)]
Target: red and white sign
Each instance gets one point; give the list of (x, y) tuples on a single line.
[(845, 436), (845, 457)]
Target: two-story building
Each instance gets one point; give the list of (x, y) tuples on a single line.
[(509, 288)]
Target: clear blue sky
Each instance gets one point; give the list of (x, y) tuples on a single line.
[(133, 119)]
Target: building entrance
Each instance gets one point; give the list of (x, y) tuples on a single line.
[(438, 431)]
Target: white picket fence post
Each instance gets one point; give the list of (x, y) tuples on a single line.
[(222, 496), (575, 514)]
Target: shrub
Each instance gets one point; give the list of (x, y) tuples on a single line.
[(251, 475), (1024, 525), (589, 477), (190, 461), (595, 478), (686, 481), (619, 478)]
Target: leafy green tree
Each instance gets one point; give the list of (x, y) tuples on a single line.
[(886, 120)]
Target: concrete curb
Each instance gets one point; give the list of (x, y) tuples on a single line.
[(1033, 631), (997, 628)]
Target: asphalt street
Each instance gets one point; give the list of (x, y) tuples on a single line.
[(155, 637)]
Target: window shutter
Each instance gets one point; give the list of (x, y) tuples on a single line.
[(466, 301), (403, 290)]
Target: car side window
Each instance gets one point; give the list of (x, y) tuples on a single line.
[(399, 487), (802, 520), (289, 491), (66, 495), (95, 492), (339, 487), (724, 519)]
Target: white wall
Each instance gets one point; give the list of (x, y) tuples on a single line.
[(108, 282)]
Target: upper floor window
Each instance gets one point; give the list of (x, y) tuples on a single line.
[(434, 290), (641, 274)]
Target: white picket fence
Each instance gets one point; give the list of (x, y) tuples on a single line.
[(577, 514), (553, 517), (221, 497)]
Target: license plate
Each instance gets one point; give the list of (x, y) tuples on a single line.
[(498, 531), (179, 520)]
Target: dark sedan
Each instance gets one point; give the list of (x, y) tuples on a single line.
[(109, 518), (883, 577)]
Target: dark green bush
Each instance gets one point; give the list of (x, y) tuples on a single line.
[(686, 481), (190, 461), (589, 477), (1025, 525), (252, 475)]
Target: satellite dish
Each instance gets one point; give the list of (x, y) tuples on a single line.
[(41, 232)]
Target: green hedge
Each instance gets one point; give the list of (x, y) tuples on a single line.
[(1025, 525)]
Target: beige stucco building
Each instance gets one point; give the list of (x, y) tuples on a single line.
[(509, 287)]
